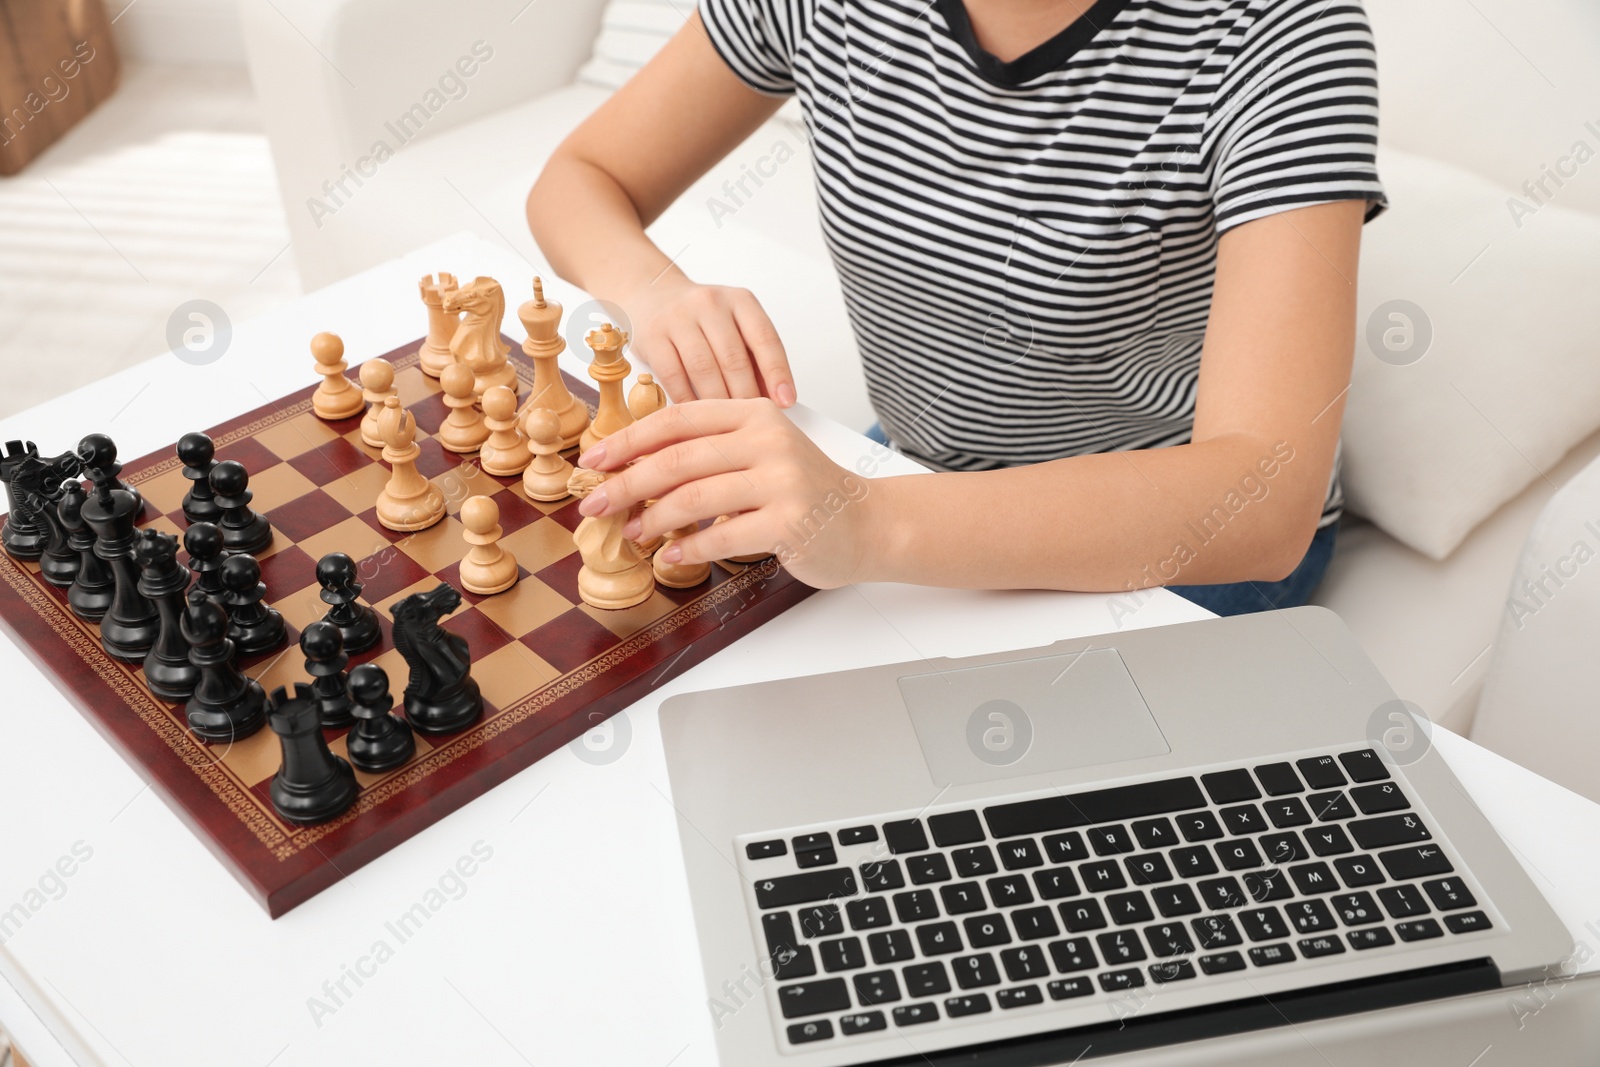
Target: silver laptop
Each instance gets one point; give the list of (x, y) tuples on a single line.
[(1105, 844)]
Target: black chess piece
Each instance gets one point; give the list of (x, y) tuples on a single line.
[(243, 528), (379, 741), (357, 622), (94, 588), (129, 627), (253, 627), (225, 706), (441, 694), (22, 537), (326, 660), (199, 455), (167, 669), (36, 488), (203, 542), (313, 785)]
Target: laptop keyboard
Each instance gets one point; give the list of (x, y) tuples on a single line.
[(954, 914)]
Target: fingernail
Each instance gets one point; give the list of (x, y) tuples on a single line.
[(786, 396), (633, 529), (671, 554), (593, 458), (595, 503)]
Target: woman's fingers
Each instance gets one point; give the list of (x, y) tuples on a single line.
[(739, 536), (666, 470), (761, 337), (707, 498), (684, 422), (738, 373), (700, 362)]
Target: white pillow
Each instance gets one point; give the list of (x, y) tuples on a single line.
[(1440, 432)]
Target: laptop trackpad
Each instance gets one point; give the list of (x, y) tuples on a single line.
[(1007, 720)]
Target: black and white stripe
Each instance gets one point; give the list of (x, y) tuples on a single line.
[(1027, 249)]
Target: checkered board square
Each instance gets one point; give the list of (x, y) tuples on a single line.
[(550, 667)]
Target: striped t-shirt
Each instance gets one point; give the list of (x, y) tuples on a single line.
[(1027, 249)]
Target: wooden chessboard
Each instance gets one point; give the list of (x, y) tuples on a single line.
[(550, 667)]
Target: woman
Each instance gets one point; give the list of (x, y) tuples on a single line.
[(1100, 258)]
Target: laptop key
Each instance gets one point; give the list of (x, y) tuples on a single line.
[(1402, 901), (1330, 807), (1216, 931), (1279, 779), (926, 979), (811, 842), (1283, 848), (868, 914), (973, 972), (1467, 922), (961, 898), (1230, 787), (913, 1014), (1024, 964), (1198, 826), (986, 931), (1073, 954), (859, 835), (1263, 924), (1009, 891), (1358, 871), (1379, 798), (1243, 819), (1067, 988), (1110, 840), (937, 939), (1369, 937), (1418, 930), (820, 920), (842, 955), (1117, 981), (1130, 907), (915, 906), (1033, 924), (1312, 947), (1168, 939), (1449, 894), (905, 835), (1404, 864), (1193, 862), (1356, 909), (1080, 915), (790, 959), (862, 1022), (1074, 810), (816, 1030), (760, 850), (1313, 878), (1171, 971), (1055, 883), (1328, 841), (1148, 868), (972, 862), (1363, 765), (1020, 855), (1310, 916), (1388, 830), (1221, 893), (1267, 955), (1155, 833), (1222, 962), (955, 828), (876, 987), (820, 857), (879, 876), (1019, 997), (1290, 811), (928, 868), (1321, 772), (890, 946), (1120, 946), (1066, 848), (1101, 875), (1264, 886), (788, 890), (813, 998), (1175, 900), (971, 1004), (1239, 854)]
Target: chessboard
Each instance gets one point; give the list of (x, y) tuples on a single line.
[(550, 667)]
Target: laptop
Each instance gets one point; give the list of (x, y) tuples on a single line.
[(1105, 844)]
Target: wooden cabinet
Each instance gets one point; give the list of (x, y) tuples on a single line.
[(56, 64)]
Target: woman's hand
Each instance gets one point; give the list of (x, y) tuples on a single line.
[(742, 458), (708, 342)]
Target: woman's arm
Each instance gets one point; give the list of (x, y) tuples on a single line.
[(1273, 374), (615, 174)]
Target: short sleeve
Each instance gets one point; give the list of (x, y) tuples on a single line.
[(757, 39), (1295, 120)]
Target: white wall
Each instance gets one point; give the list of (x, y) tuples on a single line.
[(188, 32)]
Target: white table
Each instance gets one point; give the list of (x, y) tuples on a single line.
[(572, 944)]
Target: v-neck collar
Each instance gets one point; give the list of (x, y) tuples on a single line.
[(1051, 55)]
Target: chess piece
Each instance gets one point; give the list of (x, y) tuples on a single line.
[(357, 622), (243, 528), (409, 501), (326, 660), (312, 784), (679, 575), (199, 455), (463, 429), (614, 574), (544, 345), (377, 385), (477, 340), (434, 356), (487, 568), (546, 476), (22, 537), (203, 542), (609, 369), (129, 627), (441, 695), (37, 488), (754, 557), (225, 706), (645, 398), (505, 454), (253, 626), (379, 741), (337, 397), (94, 588), (168, 670)]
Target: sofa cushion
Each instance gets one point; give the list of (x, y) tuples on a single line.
[(1477, 366)]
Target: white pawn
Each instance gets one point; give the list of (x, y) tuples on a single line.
[(463, 429), (546, 477), (505, 453), (679, 575), (337, 397), (377, 385), (488, 568)]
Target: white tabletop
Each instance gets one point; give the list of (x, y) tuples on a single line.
[(572, 941)]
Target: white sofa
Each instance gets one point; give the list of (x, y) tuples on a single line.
[(492, 87)]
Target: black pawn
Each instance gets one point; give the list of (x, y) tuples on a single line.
[(325, 662), (167, 669), (313, 785), (203, 542), (21, 535), (94, 588), (36, 487), (226, 706), (243, 529), (129, 628), (379, 741), (253, 627), (357, 622), (198, 455)]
